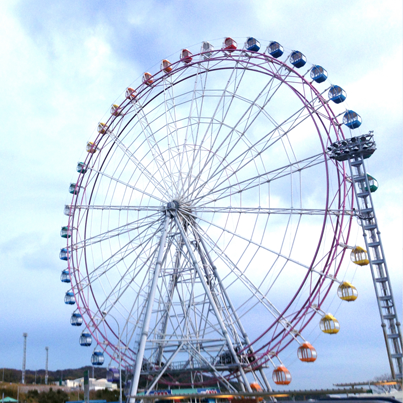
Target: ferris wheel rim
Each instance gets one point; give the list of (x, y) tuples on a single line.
[(184, 68)]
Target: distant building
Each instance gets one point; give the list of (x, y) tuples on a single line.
[(95, 384)]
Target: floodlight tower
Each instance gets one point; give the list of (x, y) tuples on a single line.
[(46, 367), (356, 150), (24, 358)]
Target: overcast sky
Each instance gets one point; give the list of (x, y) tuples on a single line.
[(65, 62)]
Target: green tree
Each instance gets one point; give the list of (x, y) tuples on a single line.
[(53, 397)]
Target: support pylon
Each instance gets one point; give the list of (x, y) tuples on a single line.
[(46, 367), (356, 150), (24, 358)]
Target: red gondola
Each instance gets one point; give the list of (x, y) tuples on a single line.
[(186, 56), (229, 44)]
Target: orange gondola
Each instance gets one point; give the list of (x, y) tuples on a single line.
[(255, 387), (147, 80), (281, 376), (306, 353), (131, 93), (166, 65)]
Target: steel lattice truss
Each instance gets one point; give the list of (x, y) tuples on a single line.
[(208, 219)]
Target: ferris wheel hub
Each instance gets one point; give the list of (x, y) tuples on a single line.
[(173, 205)]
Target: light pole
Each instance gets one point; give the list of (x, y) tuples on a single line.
[(104, 313)]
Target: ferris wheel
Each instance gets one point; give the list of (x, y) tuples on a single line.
[(206, 221)]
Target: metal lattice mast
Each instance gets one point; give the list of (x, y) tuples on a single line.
[(24, 358), (356, 150), (46, 368)]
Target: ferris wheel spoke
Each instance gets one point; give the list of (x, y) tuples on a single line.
[(137, 189), (171, 124), (141, 287), (220, 108), (117, 292), (262, 210), (143, 169), (259, 180), (240, 276), (279, 255), (123, 229), (196, 119), (245, 117), (121, 254), (108, 207), (249, 241), (154, 147), (266, 141)]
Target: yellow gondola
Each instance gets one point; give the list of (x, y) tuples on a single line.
[(329, 324), (359, 256), (116, 110), (347, 292), (102, 128), (91, 148)]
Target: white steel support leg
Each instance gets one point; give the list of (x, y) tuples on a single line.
[(144, 333), (212, 302), (238, 321)]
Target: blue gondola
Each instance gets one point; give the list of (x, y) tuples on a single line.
[(76, 319), (81, 168), (74, 189), (97, 358), (297, 59), (318, 74), (352, 119), (275, 49), (69, 298), (65, 277), (252, 44), (85, 339), (337, 94), (65, 232), (112, 375), (64, 254)]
